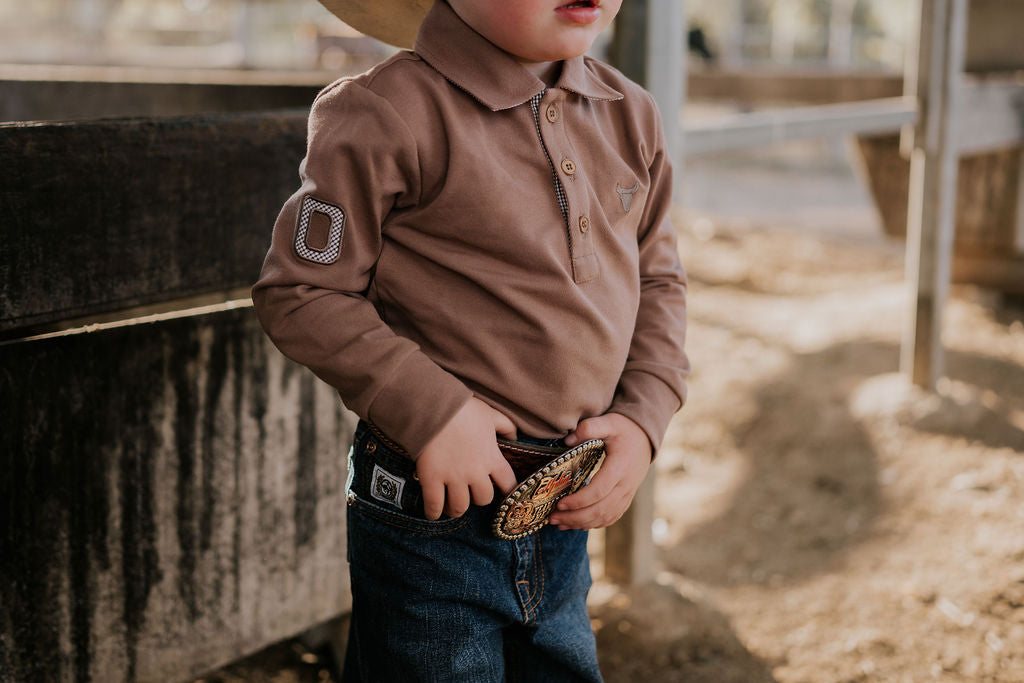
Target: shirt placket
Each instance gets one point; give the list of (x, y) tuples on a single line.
[(569, 180)]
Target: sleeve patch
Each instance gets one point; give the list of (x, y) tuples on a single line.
[(319, 231)]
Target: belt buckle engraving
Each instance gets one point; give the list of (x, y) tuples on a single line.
[(527, 508)]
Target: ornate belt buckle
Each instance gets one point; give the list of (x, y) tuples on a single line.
[(527, 508)]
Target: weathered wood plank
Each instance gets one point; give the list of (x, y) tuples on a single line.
[(104, 215), (1018, 225), (935, 77), (1003, 272), (661, 25), (781, 125), (629, 544), (988, 203), (171, 498), (72, 100), (763, 85), (666, 77), (994, 35), (990, 117)]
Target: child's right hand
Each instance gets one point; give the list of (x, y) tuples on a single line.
[(463, 460)]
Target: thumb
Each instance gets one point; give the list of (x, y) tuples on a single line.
[(590, 428), (504, 426)]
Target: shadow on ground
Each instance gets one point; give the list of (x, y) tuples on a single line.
[(812, 486), (658, 628)]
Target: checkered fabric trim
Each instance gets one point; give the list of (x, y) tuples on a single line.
[(331, 252), (563, 203)]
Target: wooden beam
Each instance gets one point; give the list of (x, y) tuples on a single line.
[(781, 125), (627, 50), (1020, 209), (107, 215), (766, 85), (936, 73), (1000, 272), (666, 73), (629, 546), (994, 36)]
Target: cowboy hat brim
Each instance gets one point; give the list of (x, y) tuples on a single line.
[(395, 22)]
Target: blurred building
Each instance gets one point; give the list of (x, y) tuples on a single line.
[(263, 34), (836, 34), (301, 34)]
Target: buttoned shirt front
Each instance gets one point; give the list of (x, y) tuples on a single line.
[(461, 229)]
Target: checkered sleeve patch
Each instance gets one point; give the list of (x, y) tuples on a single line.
[(319, 231)]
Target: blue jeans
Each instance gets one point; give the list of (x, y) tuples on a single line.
[(446, 600)]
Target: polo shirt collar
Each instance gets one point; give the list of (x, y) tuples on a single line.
[(487, 72)]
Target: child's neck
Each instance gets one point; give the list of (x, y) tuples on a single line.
[(545, 71)]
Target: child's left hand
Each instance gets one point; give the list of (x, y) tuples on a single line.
[(609, 493)]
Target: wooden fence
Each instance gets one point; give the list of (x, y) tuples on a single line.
[(171, 488)]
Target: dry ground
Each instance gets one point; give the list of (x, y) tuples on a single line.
[(818, 520)]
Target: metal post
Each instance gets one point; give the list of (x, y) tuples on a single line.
[(935, 78), (666, 74), (629, 547)]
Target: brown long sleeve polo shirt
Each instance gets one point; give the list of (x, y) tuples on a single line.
[(461, 229)]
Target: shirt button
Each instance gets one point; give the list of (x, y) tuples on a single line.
[(568, 166), (584, 224), (551, 113)]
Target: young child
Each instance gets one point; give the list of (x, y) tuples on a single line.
[(480, 248)]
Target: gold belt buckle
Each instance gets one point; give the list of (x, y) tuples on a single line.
[(527, 508)]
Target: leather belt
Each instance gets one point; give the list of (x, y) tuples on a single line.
[(546, 475), (527, 508)]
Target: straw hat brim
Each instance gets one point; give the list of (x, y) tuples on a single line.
[(395, 22)]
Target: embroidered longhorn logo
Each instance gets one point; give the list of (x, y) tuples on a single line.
[(627, 195)]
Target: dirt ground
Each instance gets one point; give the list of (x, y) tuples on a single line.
[(817, 519)]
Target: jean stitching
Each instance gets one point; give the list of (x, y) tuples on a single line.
[(400, 522), (525, 602), (539, 557), (524, 608), (535, 597)]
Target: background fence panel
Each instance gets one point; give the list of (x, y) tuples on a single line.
[(172, 498)]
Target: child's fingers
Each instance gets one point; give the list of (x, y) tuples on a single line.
[(503, 476), (433, 497), (603, 513), (481, 491), (457, 500), (606, 479)]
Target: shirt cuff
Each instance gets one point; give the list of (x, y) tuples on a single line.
[(649, 402), (419, 399)]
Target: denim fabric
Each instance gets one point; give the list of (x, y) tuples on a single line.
[(446, 600)]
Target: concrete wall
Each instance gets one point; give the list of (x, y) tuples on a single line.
[(173, 498)]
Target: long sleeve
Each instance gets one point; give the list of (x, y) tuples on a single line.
[(653, 382), (361, 163)]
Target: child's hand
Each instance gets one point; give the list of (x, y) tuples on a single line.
[(610, 492), (463, 460)]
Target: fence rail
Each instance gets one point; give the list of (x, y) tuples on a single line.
[(171, 487), (796, 123)]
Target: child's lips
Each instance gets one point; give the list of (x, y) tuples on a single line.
[(581, 12)]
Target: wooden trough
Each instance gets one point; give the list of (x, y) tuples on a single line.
[(989, 235), (987, 136)]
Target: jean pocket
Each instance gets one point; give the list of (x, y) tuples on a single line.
[(382, 486)]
